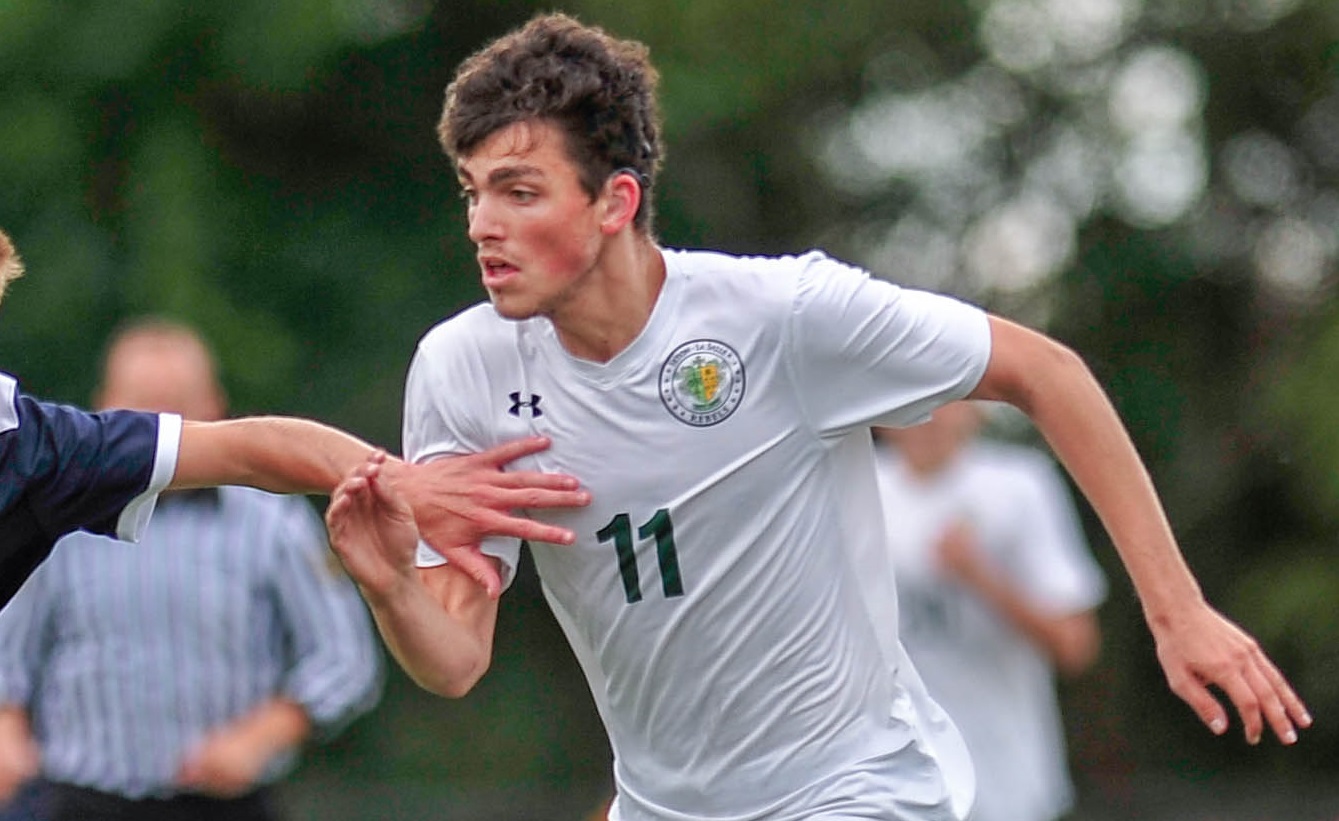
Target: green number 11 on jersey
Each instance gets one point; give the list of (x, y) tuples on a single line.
[(619, 530)]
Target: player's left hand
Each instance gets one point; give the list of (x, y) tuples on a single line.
[(1199, 648), (458, 500), (372, 531)]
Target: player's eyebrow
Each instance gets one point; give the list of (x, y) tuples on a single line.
[(505, 174), (513, 172)]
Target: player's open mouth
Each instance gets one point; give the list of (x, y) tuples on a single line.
[(496, 270)]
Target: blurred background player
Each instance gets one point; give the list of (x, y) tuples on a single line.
[(997, 592), (176, 678)]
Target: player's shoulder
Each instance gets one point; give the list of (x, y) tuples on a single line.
[(477, 318), (745, 268), (478, 326), (753, 281), (42, 427)]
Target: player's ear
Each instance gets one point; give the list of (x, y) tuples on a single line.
[(621, 200)]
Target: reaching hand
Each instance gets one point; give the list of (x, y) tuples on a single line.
[(372, 529), (458, 500), (1202, 648)]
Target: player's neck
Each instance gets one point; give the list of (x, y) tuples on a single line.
[(614, 300)]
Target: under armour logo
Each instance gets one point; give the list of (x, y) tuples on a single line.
[(517, 404)]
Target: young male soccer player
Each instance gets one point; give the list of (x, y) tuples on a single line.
[(724, 595), (62, 469)]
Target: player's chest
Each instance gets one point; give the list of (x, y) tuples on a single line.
[(688, 405)]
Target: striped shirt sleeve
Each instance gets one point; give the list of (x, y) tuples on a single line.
[(336, 670), (23, 640)]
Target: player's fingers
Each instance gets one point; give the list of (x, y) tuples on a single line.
[(1278, 699), (342, 499), (532, 497), (1292, 703), (1238, 686), (511, 451), (374, 464), (1271, 708), (522, 479), (385, 495), (501, 524), (1193, 692), (478, 567)]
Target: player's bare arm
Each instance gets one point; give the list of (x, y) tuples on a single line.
[(275, 453), (438, 622), (1196, 645)]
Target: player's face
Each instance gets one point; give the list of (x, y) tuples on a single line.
[(536, 229)]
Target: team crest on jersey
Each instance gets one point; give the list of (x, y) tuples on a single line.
[(702, 382)]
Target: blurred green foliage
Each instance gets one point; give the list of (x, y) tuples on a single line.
[(269, 172)]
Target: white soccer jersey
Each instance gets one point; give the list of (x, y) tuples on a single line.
[(712, 596), (997, 685)]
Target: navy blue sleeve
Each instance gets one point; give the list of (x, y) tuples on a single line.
[(62, 470)]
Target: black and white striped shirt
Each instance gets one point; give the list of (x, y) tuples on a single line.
[(127, 655)]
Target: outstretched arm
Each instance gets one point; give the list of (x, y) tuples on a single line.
[(438, 622), (1196, 645), (276, 453)]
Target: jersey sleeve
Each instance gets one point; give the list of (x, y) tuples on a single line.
[(100, 472), (869, 352), (62, 469), (1053, 563), (436, 425)]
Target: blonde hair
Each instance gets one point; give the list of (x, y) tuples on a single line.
[(11, 266)]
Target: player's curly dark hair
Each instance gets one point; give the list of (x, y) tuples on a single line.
[(598, 90)]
